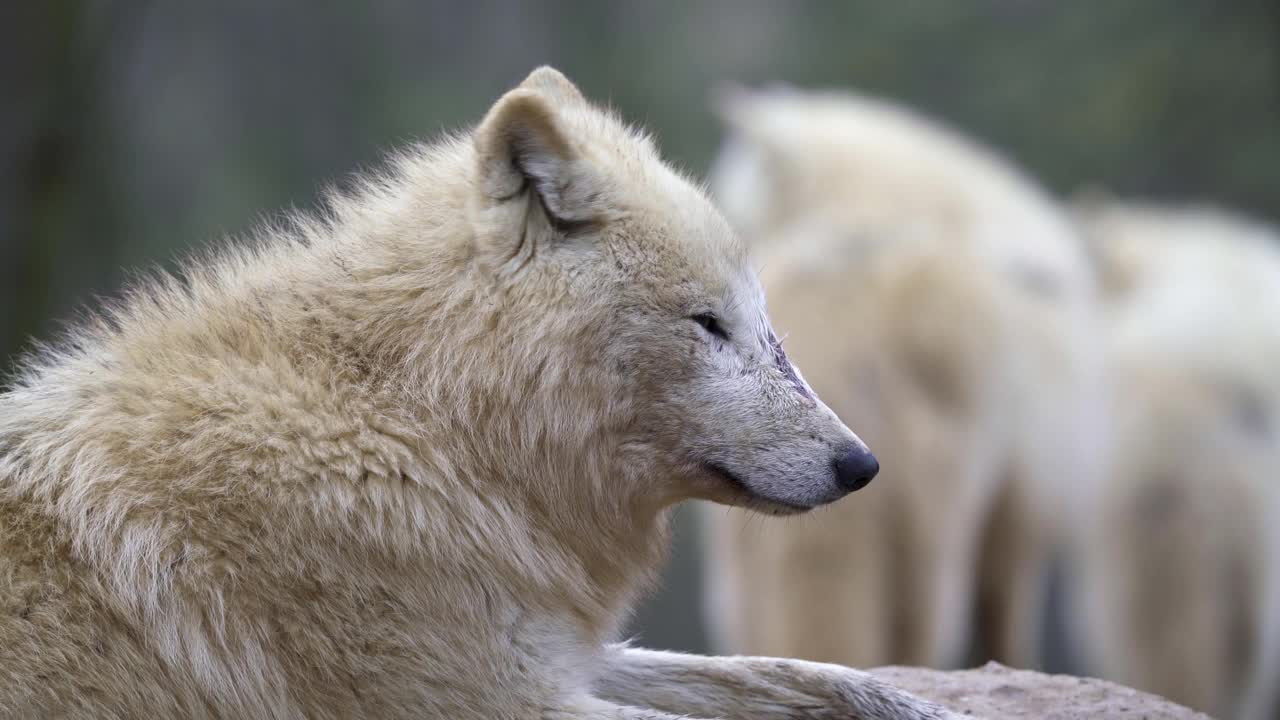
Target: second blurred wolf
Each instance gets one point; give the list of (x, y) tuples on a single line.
[(1178, 590), (945, 307)]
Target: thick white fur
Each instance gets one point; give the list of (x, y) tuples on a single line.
[(414, 459), (1179, 587), (942, 304)]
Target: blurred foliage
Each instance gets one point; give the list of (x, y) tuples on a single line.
[(131, 131)]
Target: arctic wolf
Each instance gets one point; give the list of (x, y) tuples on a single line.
[(416, 459), (1179, 586), (944, 305)]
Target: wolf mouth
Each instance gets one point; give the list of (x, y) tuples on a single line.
[(756, 500)]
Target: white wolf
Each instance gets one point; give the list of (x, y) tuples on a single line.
[(1179, 586), (979, 387), (416, 459)]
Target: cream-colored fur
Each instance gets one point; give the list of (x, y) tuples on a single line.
[(1179, 584), (943, 305), (414, 459)]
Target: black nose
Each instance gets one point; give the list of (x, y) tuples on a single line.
[(855, 468)]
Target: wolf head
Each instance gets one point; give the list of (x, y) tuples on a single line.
[(634, 291)]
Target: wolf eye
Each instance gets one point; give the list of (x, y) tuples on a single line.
[(711, 324)]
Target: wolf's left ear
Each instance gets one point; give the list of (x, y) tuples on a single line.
[(745, 174), (755, 171), (522, 147), (552, 82)]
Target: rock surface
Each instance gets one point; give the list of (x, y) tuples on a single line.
[(996, 692)]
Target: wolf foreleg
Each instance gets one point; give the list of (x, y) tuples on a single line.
[(753, 687)]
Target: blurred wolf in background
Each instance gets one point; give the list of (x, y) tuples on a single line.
[(943, 304), (416, 458), (1178, 578)]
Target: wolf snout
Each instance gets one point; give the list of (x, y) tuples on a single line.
[(855, 468)]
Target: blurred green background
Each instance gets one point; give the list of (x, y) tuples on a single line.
[(133, 131)]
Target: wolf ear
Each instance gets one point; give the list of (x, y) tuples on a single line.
[(750, 171), (554, 84), (521, 147), (1115, 271)]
